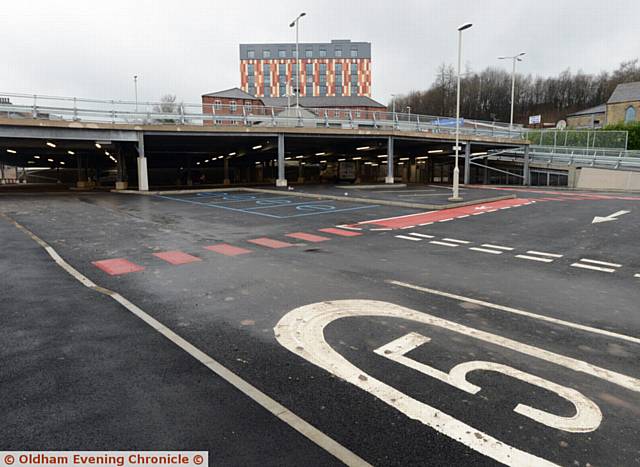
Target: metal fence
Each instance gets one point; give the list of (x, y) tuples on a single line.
[(72, 109), (578, 138)]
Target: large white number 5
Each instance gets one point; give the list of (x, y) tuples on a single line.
[(587, 417)]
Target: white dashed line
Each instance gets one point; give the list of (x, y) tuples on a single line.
[(497, 247), (348, 227), (636, 275), (426, 223), (421, 235), (463, 216), (464, 242), (491, 210), (593, 268), (379, 230), (436, 242), (601, 263), (485, 250), (506, 207), (542, 253), (405, 237), (407, 227), (445, 220), (477, 213), (535, 258)]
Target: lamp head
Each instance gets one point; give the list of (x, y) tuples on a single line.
[(464, 26)]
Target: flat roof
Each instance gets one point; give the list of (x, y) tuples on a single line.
[(345, 46)]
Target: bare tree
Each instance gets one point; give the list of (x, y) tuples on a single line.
[(167, 107)]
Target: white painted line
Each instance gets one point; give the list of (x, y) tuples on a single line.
[(436, 242), (636, 275), (395, 217), (535, 258), (301, 331), (485, 250), (464, 242), (348, 227), (477, 213), (601, 263), (463, 216), (277, 409), (498, 247), (446, 220), (378, 230), (593, 268), (404, 237), (426, 223), (506, 207), (421, 235), (407, 227), (491, 210), (542, 253), (519, 312)]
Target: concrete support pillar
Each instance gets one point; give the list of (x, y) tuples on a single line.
[(189, 175), (413, 172), (121, 174), (281, 180), (227, 180), (143, 174), (467, 163), (526, 172), (389, 177)]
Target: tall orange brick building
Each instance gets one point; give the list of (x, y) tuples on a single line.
[(338, 68)]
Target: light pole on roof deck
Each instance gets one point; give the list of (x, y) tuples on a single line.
[(515, 58), (456, 171), (295, 23)]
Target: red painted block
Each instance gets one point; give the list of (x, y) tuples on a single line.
[(308, 237), (342, 233), (452, 213), (117, 266), (227, 250), (269, 243), (177, 257)]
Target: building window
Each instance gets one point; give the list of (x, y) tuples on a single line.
[(266, 71), (323, 68), (354, 53), (250, 69), (233, 106), (252, 90), (357, 114), (339, 90), (217, 104), (267, 90), (282, 53), (251, 53), (354, 69), (323, 53), (309, 78), (308, 53), (309, 68), (338, 53), (630, 114), (336, 113), (323, 79), (247, 106), (266, 54), (323, 90), (309, 91), (283, 91)]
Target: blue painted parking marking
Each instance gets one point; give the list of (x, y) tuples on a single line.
[(283, 207)]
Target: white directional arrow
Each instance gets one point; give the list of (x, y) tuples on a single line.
[(610, 217)]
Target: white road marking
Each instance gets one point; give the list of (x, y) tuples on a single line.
[(406, 237), (436, 242), (426, 223), (301, 331), (519, 312), (491, 210), (407, 227), (348, 227), (395, 217), (446, 220), (498, 247), (485, 250), (542, 253), (464, 242), (586, 419), (506, 207), (463, 216), (477, 213), (636, 275), (416, 234), (593, 268), (535, 258), (378, 230), (601, 263), (277, 409)]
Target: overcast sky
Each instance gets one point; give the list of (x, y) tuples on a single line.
[(90, 48)]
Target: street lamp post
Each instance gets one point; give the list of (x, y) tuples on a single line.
[(135, 90), (295, 23), (515, 58), (409, 112), (456, 170), (393, 107)]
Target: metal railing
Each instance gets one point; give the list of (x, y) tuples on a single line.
[(578, 138), (72, 109)]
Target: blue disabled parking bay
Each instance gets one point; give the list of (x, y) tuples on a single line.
[(267, 204)]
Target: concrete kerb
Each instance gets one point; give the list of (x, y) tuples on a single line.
[(383, 202)]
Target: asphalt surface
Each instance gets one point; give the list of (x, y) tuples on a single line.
[(80, 363)]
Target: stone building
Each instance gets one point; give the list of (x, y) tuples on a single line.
[(622, 107)]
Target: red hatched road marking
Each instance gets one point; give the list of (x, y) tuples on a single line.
[(227, 250), (434, 216), (176, 257), (342, 233), (117, 266), (308, 237), (270, 243)]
